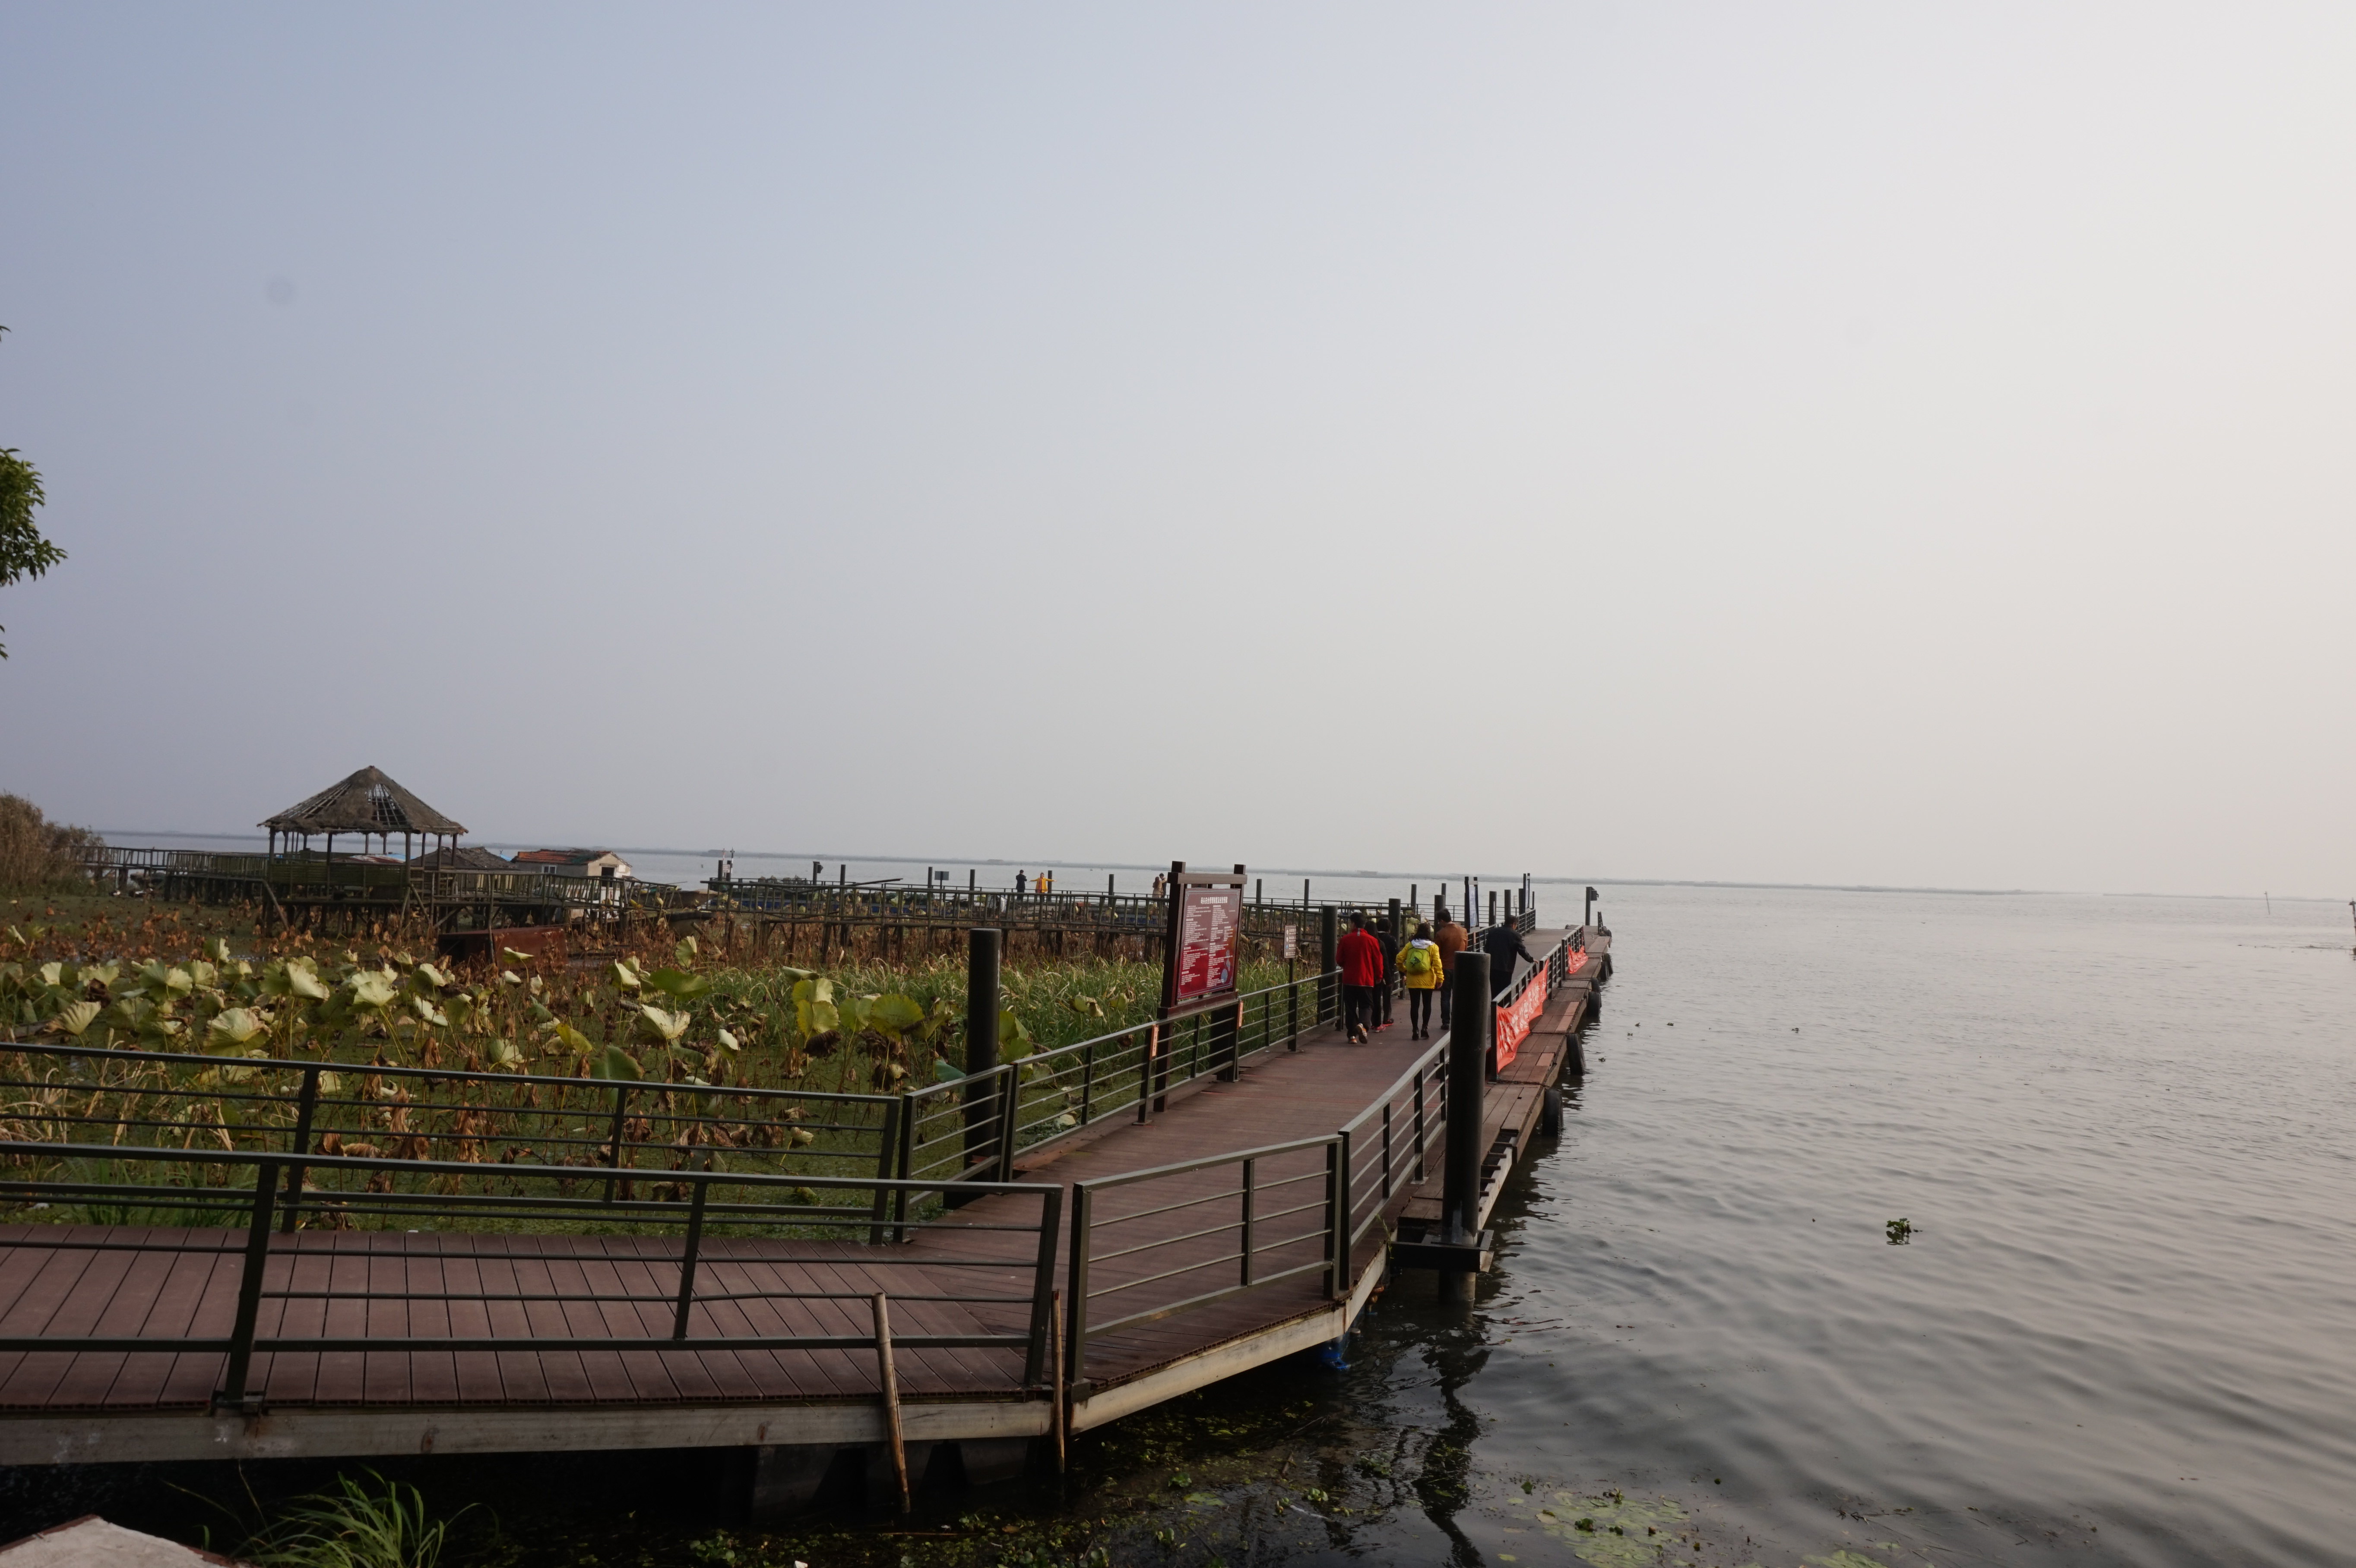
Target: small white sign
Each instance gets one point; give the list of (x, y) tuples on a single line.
[(1293, 941)]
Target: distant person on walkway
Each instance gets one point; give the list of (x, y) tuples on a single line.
[(1451, 939), (1390, 964), (1361, 958), (1504, 945), (1425, 971)]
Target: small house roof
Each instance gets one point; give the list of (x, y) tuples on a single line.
[(466, 858), (366, 801), (562, 856)]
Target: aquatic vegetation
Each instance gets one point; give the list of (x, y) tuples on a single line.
[(349, 1525)]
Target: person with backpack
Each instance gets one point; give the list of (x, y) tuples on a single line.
[(1423, 970)]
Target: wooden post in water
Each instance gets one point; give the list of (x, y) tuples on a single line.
[(1468, 1073), (891, 1382)]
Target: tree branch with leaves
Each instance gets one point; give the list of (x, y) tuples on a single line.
[(23, 552)]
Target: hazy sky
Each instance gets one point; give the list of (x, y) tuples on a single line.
[(1887, 443)]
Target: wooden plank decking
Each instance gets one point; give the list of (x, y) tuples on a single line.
[(455, 1284)]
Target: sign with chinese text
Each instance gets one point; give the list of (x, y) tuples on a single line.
[(1210, 925)]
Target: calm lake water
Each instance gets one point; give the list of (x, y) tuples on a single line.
[(2120, 1332)]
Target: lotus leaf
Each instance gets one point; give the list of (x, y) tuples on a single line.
[(371, 989), (614, 1062), (671, 1026), (728, 1041), (236, 1025), (76, 1016), (896, 1015), (678, 984), (434, 976), (572, 1039)]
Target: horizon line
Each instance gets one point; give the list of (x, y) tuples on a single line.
[(1313, 871)]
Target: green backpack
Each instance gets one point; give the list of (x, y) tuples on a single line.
[(1418, 961)]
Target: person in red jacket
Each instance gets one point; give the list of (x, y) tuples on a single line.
[(1361, 958)]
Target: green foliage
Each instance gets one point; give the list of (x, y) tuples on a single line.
[(351, 1526), (35, 852), (23, 552)]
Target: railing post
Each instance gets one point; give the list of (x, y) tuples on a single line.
[(1088, 1081), (687, 1259), (982, 1008), (1292, 1014), (1076, 1340), (1386, 1147), (1421, 1141), (303, 1109), (1329, 940), (1468, 1052), (1010, 1113), (1249, 1167), (887, 1150), (908, 1159), (621, 1119), (1337, 1214), (1042, 1284), (248, 1290)]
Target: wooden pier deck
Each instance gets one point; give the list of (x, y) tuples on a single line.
[(513, 1305)]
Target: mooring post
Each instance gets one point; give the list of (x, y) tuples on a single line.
[(980, 1043), (1468, 1059), (1329, 944)]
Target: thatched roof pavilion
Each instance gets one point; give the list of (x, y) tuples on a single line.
[(369, 803)]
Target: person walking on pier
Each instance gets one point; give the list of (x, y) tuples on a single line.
[(1504, 945), (1425, 971), (1451, 939), (1361, 958), (1390, 945)]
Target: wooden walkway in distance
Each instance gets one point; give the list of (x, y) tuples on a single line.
[(138, 1404)]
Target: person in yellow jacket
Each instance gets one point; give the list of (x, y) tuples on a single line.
[(1424, 971)]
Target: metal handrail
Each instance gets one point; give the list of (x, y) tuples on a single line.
[(695, 1211), (949, 1111), (1081, 1299)]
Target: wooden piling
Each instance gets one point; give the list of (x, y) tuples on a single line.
[(891, 1398)]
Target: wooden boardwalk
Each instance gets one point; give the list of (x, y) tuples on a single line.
[(1161, 1242)]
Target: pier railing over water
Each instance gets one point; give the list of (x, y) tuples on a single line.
[(193, 1144), (702, 1255), (980, 1123)]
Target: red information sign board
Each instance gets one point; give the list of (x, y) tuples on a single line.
[(1210, 921)]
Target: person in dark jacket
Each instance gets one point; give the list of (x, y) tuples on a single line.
[(1503, 944), (1389, 939), (1361, 958)]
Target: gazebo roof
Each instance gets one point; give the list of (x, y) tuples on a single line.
[(368, 802)]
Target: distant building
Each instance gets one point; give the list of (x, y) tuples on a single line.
[(602, 863), (467, 858)]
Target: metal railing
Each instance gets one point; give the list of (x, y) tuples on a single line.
[(1268, 1227), (727, 1226), (607, 1132), (980, 1122)]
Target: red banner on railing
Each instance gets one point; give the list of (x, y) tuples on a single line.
[(1515, 1019)]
